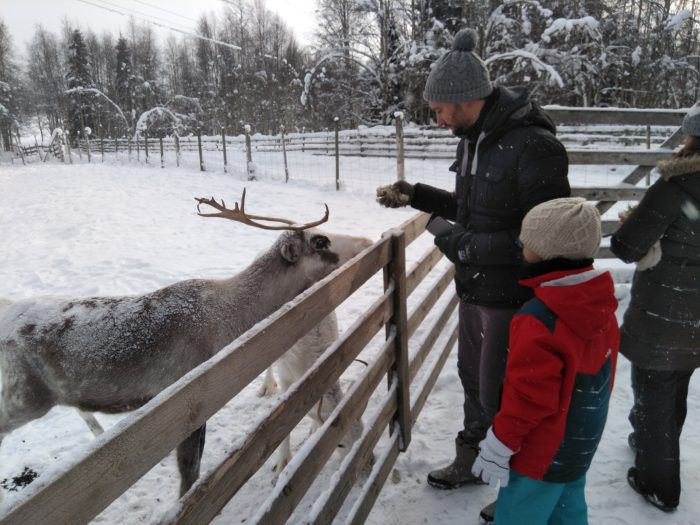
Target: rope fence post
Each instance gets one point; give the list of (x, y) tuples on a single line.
[(66, 140), (250, 172), (223, 144), (199, 147), (284, 154), (78, 143), (102, 142), (648, 177), (145, 144), (177, 150), (336, 122), (162, 164), (400, 164)]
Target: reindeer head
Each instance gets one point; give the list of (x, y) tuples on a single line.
[(312, 252)]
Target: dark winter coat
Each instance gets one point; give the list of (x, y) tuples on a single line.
[(515, 163), (561, 364), (661, 326)]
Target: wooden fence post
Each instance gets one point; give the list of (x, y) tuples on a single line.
[(145, 144), (248, 154), (80, 148), (102, 142), (177, 150), (284, 154), (66, 140), (395, 272), (162, 165), (223, 144), (336, 121), (400, 166), (138, 149), (199, 147), (86, 135), (648, 179)]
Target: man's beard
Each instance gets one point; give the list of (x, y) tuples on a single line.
[(460, 131)]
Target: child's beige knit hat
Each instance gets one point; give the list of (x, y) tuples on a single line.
[(567, 227)]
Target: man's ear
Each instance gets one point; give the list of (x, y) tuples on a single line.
[(290, 250)]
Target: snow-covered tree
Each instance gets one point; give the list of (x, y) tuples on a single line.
[(80, 106), (10, 88)]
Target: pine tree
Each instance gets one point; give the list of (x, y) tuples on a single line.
[(9, 88), (80, 107), (124, 83)]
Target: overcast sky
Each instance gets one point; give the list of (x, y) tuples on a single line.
[(21, 16)]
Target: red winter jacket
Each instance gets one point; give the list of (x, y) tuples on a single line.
[(561, 364)]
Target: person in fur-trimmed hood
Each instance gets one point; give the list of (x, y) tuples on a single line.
[(660, 329), (559, 375)]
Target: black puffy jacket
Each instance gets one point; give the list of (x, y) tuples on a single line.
[(515, 163), (661, 326)]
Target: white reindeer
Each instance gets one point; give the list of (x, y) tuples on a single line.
[(293, 364), (114, 354)]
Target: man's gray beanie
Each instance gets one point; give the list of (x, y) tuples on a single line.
[(691, 121), (458, 75), (568, 227)]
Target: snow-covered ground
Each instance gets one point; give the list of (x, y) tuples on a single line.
[(113, 229)]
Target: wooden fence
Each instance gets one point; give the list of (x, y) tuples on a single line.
[(433, 143), (124, 453)]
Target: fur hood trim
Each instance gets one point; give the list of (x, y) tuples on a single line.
[(678, 166)]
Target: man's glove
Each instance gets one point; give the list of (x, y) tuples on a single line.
[(455, 244), (493, 461), (395, 195)]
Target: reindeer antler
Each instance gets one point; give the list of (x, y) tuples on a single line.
[(239, 215)]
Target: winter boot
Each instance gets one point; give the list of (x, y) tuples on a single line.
[(486, 514), (635, 481), (459, 472)]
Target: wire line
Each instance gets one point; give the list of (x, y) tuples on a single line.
[(188, 33)]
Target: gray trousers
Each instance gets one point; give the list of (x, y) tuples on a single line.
[(481, 362)]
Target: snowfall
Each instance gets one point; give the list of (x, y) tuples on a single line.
[(118, 227)]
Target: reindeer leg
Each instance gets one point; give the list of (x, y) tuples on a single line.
[(269, 385), (189, 457), (91, 422)]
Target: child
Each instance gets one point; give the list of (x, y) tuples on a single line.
[(561, 364)]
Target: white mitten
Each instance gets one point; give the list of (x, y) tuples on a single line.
[(492, 463), (651, 258)]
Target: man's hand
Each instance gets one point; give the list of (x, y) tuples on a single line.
[(455, 244), (395, 195), (493, 461)]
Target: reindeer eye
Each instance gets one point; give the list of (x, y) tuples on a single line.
[(320, 242)]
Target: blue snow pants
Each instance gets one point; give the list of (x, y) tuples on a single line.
[(527, 501)]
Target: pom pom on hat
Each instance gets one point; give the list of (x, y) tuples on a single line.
[(465, 40), (567, 227), (460, 74)]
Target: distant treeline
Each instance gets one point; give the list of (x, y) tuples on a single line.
[(368, 60)]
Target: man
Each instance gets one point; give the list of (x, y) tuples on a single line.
[(508, 161)]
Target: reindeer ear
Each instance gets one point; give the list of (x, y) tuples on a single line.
[(290, 250)]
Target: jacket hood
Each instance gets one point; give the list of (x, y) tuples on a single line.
[(583, 299), (678, 166), (512, 108)]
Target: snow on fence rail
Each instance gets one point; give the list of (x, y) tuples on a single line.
[(124, 453)]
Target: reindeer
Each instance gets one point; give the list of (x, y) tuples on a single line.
[(289, 368), (114, 354)]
